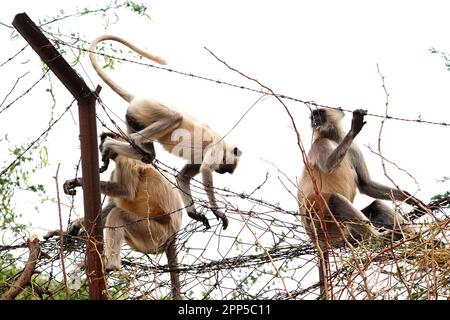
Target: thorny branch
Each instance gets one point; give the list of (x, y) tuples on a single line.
[(61, 234)]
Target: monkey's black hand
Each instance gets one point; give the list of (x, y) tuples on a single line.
[(74, 230), (70, 185), (358, 120), (199, 217), (105, 160), (50, 234), (107, 154), (104, 167)]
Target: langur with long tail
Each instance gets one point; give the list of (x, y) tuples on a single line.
[(179, 133)]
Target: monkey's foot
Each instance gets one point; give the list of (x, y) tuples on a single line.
[(199, 217), (220, 215), (224, 222)]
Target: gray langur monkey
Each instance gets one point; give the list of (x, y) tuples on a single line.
[(339, 170), (179, 133), (145, 210)]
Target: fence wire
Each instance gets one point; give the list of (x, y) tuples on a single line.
[(214, 264)]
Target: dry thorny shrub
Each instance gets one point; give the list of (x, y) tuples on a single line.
[(264, 255)]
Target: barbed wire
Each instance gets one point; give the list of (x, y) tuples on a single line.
[(13, 87), (13, 56), (308, 103), (237, 269), (207, 267), (35, 141), (225, 265), (24, 93)]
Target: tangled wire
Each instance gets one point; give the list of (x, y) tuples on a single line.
[(265, 255)]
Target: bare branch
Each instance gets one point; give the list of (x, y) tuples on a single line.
[(25, 278)]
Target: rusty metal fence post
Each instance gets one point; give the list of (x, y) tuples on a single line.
[(89, 150)]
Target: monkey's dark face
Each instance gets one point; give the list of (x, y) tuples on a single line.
[(322, 119), (226, 168), (318, 118), (105, 135), (230, 161)]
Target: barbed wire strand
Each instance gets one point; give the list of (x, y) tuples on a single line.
[(33, 143), (308, 103)]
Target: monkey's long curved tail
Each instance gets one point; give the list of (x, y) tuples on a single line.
[(125, 94)]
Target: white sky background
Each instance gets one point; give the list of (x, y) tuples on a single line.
[(324, 51)]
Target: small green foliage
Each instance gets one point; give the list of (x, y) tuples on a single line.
[(17, 178), (109, 63), (441, 196), (43, 155), (40, 287), (140, 9), (444, 55), (190, 294), (84, 11)]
